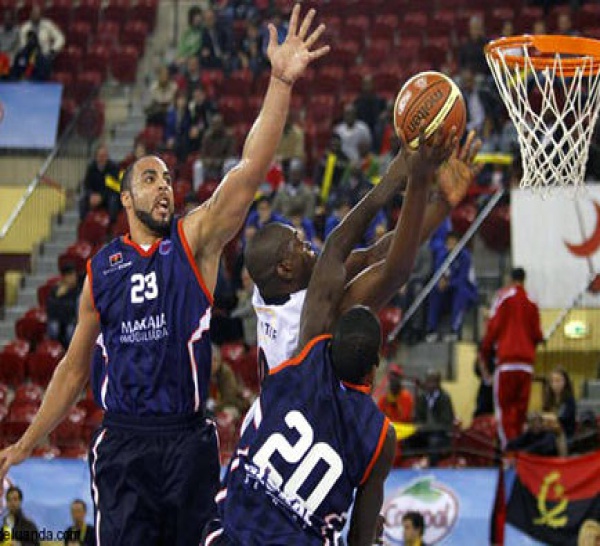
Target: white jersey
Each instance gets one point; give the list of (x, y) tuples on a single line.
[(278, 327)]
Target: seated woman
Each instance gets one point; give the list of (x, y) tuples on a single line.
[(560, 401)]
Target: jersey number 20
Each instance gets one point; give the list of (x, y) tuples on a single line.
[(143, 287), (305, 455)]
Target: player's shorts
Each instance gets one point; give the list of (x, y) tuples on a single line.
[(214, 535), (154, 479)]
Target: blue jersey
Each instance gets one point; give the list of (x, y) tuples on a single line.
[(154, 314), (313, 440)]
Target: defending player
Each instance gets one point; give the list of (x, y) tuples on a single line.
[(154, 462), (316, 434), (281, 281)]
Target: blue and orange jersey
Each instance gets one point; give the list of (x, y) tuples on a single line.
[(313, 440), (153, 356)]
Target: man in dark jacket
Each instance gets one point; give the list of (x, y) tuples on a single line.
[(80, 533), (23, 531), (101, 187)]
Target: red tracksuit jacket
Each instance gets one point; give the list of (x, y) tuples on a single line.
[(513, 328)]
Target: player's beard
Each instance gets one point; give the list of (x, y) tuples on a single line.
[(162, 228)]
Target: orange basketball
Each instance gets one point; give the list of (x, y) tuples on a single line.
[(431, 98)]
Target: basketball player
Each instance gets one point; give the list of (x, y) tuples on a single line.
[(281, 283), (147, 299), (316, 435)]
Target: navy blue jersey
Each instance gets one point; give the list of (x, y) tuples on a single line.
[(154, 314), (313, 440)]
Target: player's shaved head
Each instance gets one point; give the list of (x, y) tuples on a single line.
[(264, 252), (356, 344)]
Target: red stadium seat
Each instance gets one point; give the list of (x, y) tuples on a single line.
[(233, 109), (171, 162), (94, 228), (232, 353), (91, 122), (117, 11), (68, 107), (239, 82), (44, 291), (181, 189), (79, 34), (88, 11), (328, 80), (18, 419), (77, 254), (46, 451), (124, 64), (97, 59), (213, 80), (389, 318), (121, 225), (344, 54), (70, 430), (322, 107), (67, 81), (32, 325), (108, 34), (378, 52), (87, 85), (151, 136), (28, 394), (68, 60), (3, 395), (206, 190), (385, 27), (387, 80), (42, 363), (416, 20), (59, 12), (134, 35), (145, 10), (13, 362), (91, 424)]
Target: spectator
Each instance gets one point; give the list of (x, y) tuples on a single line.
[(435, 416), (484, 403), (217, 146), (564, 25), (80, 533), (30, 63), (162, 96), (413, 529), (139, 150), (369, 162), (539, 27), (49, 36), (352, 131), (61, 306), (560, 401), (225, 391), (263, 214), (201, 110), (305, 227), (514, 330), (397, 403), (177, 127), (340, 211), (473, 101), (281, 27), (392, 147), (101, 186), (470, 54), (589, 533), (245, 311), (295, 194), (9, 35), (368, 104), (540, 438), (356, 184), (291, 145), (191, 77), (252, 54), (455, 291), (23, 531), (214, 51), (331, 170), (191, 39)]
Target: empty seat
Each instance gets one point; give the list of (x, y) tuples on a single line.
[(145, 10), (28, 394), (123, 64), (108, 35), (87, 85), (134, 35), (46, 451), (59, 12), (69, 59), (32, 325), (18, 419), (79, 34), (77, 254), (151, 136), (97, 59), (13, 362), (43, 361), (94, 227), (70, 431), (91, 121), (44, 291), (88, 11), (117, 11), (92, 423)]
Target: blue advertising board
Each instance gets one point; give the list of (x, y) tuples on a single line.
[(457, 504), (29, 115)]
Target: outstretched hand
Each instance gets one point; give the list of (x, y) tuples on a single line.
[(454, 177), (430, 155), (10, 456), (290, 59)]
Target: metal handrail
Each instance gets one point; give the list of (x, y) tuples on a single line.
[(446, 264), (44, 168)]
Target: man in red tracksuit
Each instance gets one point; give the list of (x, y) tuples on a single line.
[(514, 331)]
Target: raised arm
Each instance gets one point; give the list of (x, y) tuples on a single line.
[(215, 223), (69, 379), (369, 496), (453, 179)]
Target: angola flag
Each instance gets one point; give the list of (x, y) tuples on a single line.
[(551, 496)]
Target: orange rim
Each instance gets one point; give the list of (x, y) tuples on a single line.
[(543, 48)]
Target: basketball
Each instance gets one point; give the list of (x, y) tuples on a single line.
[(431, 98)]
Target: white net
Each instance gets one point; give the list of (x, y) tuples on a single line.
[(554, 111)]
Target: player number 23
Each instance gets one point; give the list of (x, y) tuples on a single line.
[(305, 455), (143, 287)]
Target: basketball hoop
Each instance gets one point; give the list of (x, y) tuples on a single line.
[(551, 88)]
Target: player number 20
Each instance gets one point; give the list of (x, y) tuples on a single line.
[(306, 456), (143, 287)]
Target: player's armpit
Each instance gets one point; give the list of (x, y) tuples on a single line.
[(369, 497)]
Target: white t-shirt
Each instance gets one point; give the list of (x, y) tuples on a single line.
[(278, 327)]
